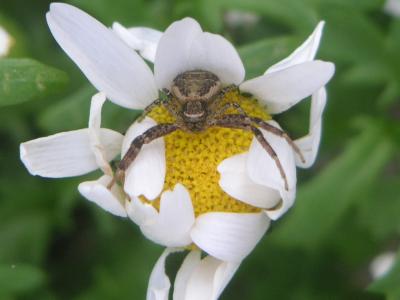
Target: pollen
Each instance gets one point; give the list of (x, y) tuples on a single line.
[(192, 158)]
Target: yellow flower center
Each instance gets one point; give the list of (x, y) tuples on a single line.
[(192, 158)]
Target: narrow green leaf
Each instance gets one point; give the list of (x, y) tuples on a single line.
[(26, 79), (258, 56), (323, 201), (354, 39)]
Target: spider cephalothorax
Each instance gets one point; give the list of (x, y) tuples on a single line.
[(194, 100), (195, 90)]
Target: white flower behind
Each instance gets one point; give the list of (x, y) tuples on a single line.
[(6, 42), (392, 7)]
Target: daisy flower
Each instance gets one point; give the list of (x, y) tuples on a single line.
[(215, 191)]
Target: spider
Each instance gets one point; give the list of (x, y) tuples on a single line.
[(195, 102)]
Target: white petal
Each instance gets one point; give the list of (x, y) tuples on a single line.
[(171, 226), (159, 283), (67, 153), (184, 47), (5, 42), (109, 200), (94, 133), (109, 64), (229, 236), (262, 169), (306, 52), (236, 182), (202, 279), (142, 39), (146, 174), (288, 198), (309, 144), (186, 270), (141, 213), (282, 89)]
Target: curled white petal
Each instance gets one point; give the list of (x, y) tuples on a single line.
[(309, 144), (262, 169), (184, 47), (236, 182), (109, 200), (5, 42), (146, 174), (67, 154), (171, 226), (282, 89), (109, 64), (229, 236), (94, 133), (142, 39), (306, 52), (202, 279), (159, 283)]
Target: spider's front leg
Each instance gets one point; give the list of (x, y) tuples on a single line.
[(242, 122), (163, 100), (147, 137)]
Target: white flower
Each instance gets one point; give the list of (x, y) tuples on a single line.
[(181, 209), (392, 7), (6, 42), (382, 264), (250, 177)]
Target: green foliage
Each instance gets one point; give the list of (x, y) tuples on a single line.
[(56, 245), (320, 202), (19, 278), (26, 79)]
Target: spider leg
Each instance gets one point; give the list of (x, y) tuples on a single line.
[(241, 122), (219, 112), (220, 96), (274, 130), (147, 137), (160, 101), (227, 89)]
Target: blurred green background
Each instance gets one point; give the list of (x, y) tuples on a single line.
[(56, 245)]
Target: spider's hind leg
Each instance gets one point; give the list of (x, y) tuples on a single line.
[(281, 133), (242, 122), (147, 137)]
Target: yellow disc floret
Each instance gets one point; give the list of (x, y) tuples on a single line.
[(192, 158)]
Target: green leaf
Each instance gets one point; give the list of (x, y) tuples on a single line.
[(378, 210), (389, 283), (19, 278), (354, 39), (26, 79), (322, 202)]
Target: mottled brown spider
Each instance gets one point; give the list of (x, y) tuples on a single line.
[(195, 101)]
